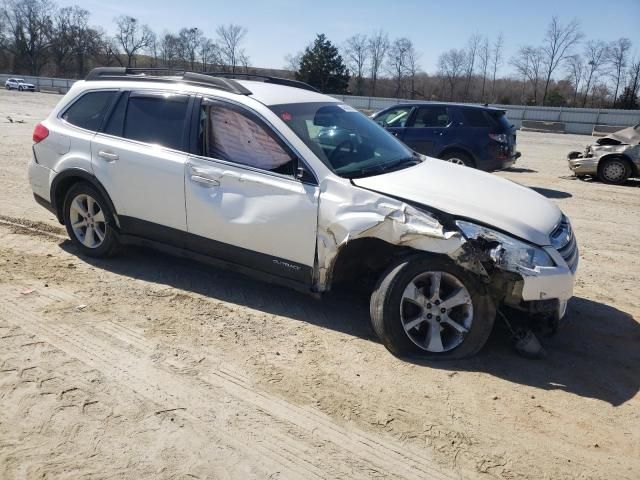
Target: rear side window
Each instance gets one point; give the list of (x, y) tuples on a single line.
[(156, 119), (477, 118), (89, 110), (431, 117)]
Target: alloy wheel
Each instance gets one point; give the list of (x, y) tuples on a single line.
[(436, 311), (457, 161), (87, 221)]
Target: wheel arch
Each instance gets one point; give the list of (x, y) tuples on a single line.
[(458, 149), (63, 182), (365, 259), (621, 156)]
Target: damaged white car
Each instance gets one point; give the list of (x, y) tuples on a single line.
[(612, 159), (232, 172)]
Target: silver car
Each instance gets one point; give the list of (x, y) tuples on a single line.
[(19, 84), (612, 159)]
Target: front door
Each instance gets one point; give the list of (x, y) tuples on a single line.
[(244, 202), (395, 120), (428, 130)]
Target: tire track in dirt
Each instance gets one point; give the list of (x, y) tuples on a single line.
[(297, 438)]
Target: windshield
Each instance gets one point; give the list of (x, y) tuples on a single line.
[(348, 142)]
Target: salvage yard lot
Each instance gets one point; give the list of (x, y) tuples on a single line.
[(147, 366)]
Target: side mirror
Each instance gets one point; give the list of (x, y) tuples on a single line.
[(304, 174)]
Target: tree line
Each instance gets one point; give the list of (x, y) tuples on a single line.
[(562, 70), (39, 38)]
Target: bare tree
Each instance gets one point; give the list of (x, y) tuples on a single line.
[(378, 47), (153, 49), (30, 24), (169, 49), (413, 68), (451, 64), (528, 63), (292, 61), (497, 61), (61, 43), (618, 56), (398, 62), (131, 36), (209, 53), (595, 54), (472, 49), (356, 55), (575, 68), (484, 55), (557, 45), (189, 40), (229, 39)]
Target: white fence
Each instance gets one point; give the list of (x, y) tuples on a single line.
[(575, 120)]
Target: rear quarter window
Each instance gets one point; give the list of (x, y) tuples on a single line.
[(89, 110)]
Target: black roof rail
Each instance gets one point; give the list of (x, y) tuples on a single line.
[(176, 76), (266, 78)]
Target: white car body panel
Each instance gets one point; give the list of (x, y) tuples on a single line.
[(472, 194), (144, 182), (257, 211)]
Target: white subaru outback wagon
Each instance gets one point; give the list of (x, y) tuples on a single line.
[(236, 173)]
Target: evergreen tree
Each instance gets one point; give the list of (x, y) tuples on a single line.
[(321, 66)]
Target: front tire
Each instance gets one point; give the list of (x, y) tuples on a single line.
[(428, 307), (614, 171), (89, 221)]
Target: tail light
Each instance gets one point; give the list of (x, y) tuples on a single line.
[(40, 133), (499, 137)]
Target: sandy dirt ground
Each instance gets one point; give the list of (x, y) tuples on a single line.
[(147, 366)]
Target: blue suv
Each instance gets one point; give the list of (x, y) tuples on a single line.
[(471, 135)]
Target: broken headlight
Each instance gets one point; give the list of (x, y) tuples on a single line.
[(506, 251)]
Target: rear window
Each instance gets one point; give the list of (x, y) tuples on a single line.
[(89, 110), (157, 119)]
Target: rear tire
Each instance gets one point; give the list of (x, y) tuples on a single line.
[(614, 171), (459, 158), (89, 221), (451, 318)]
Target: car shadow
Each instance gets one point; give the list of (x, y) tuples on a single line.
[(520, 170), (632, 182), (594, 355), (550, 193)]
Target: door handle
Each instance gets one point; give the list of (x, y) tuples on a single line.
[(108, 156), (205, 181)]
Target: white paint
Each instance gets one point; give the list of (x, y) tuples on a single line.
[(472, 194)]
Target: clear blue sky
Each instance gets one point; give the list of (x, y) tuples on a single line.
[(278, 27)]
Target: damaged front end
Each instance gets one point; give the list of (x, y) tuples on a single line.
[(533, 279), (624, 143), (529, 278)]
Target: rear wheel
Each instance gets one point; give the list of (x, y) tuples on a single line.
[(458, 158), (89, 221), (431, 308), (614, 170)]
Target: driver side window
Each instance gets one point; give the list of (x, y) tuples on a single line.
[(228, 133), (396, 117)]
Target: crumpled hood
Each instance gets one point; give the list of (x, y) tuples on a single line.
[(629, 136), (473, 194)]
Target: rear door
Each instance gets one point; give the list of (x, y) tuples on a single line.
[(139, 156), (428, 130), (244, 202), (395, 120)]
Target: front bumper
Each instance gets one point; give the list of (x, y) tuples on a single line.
[(581, 165)]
